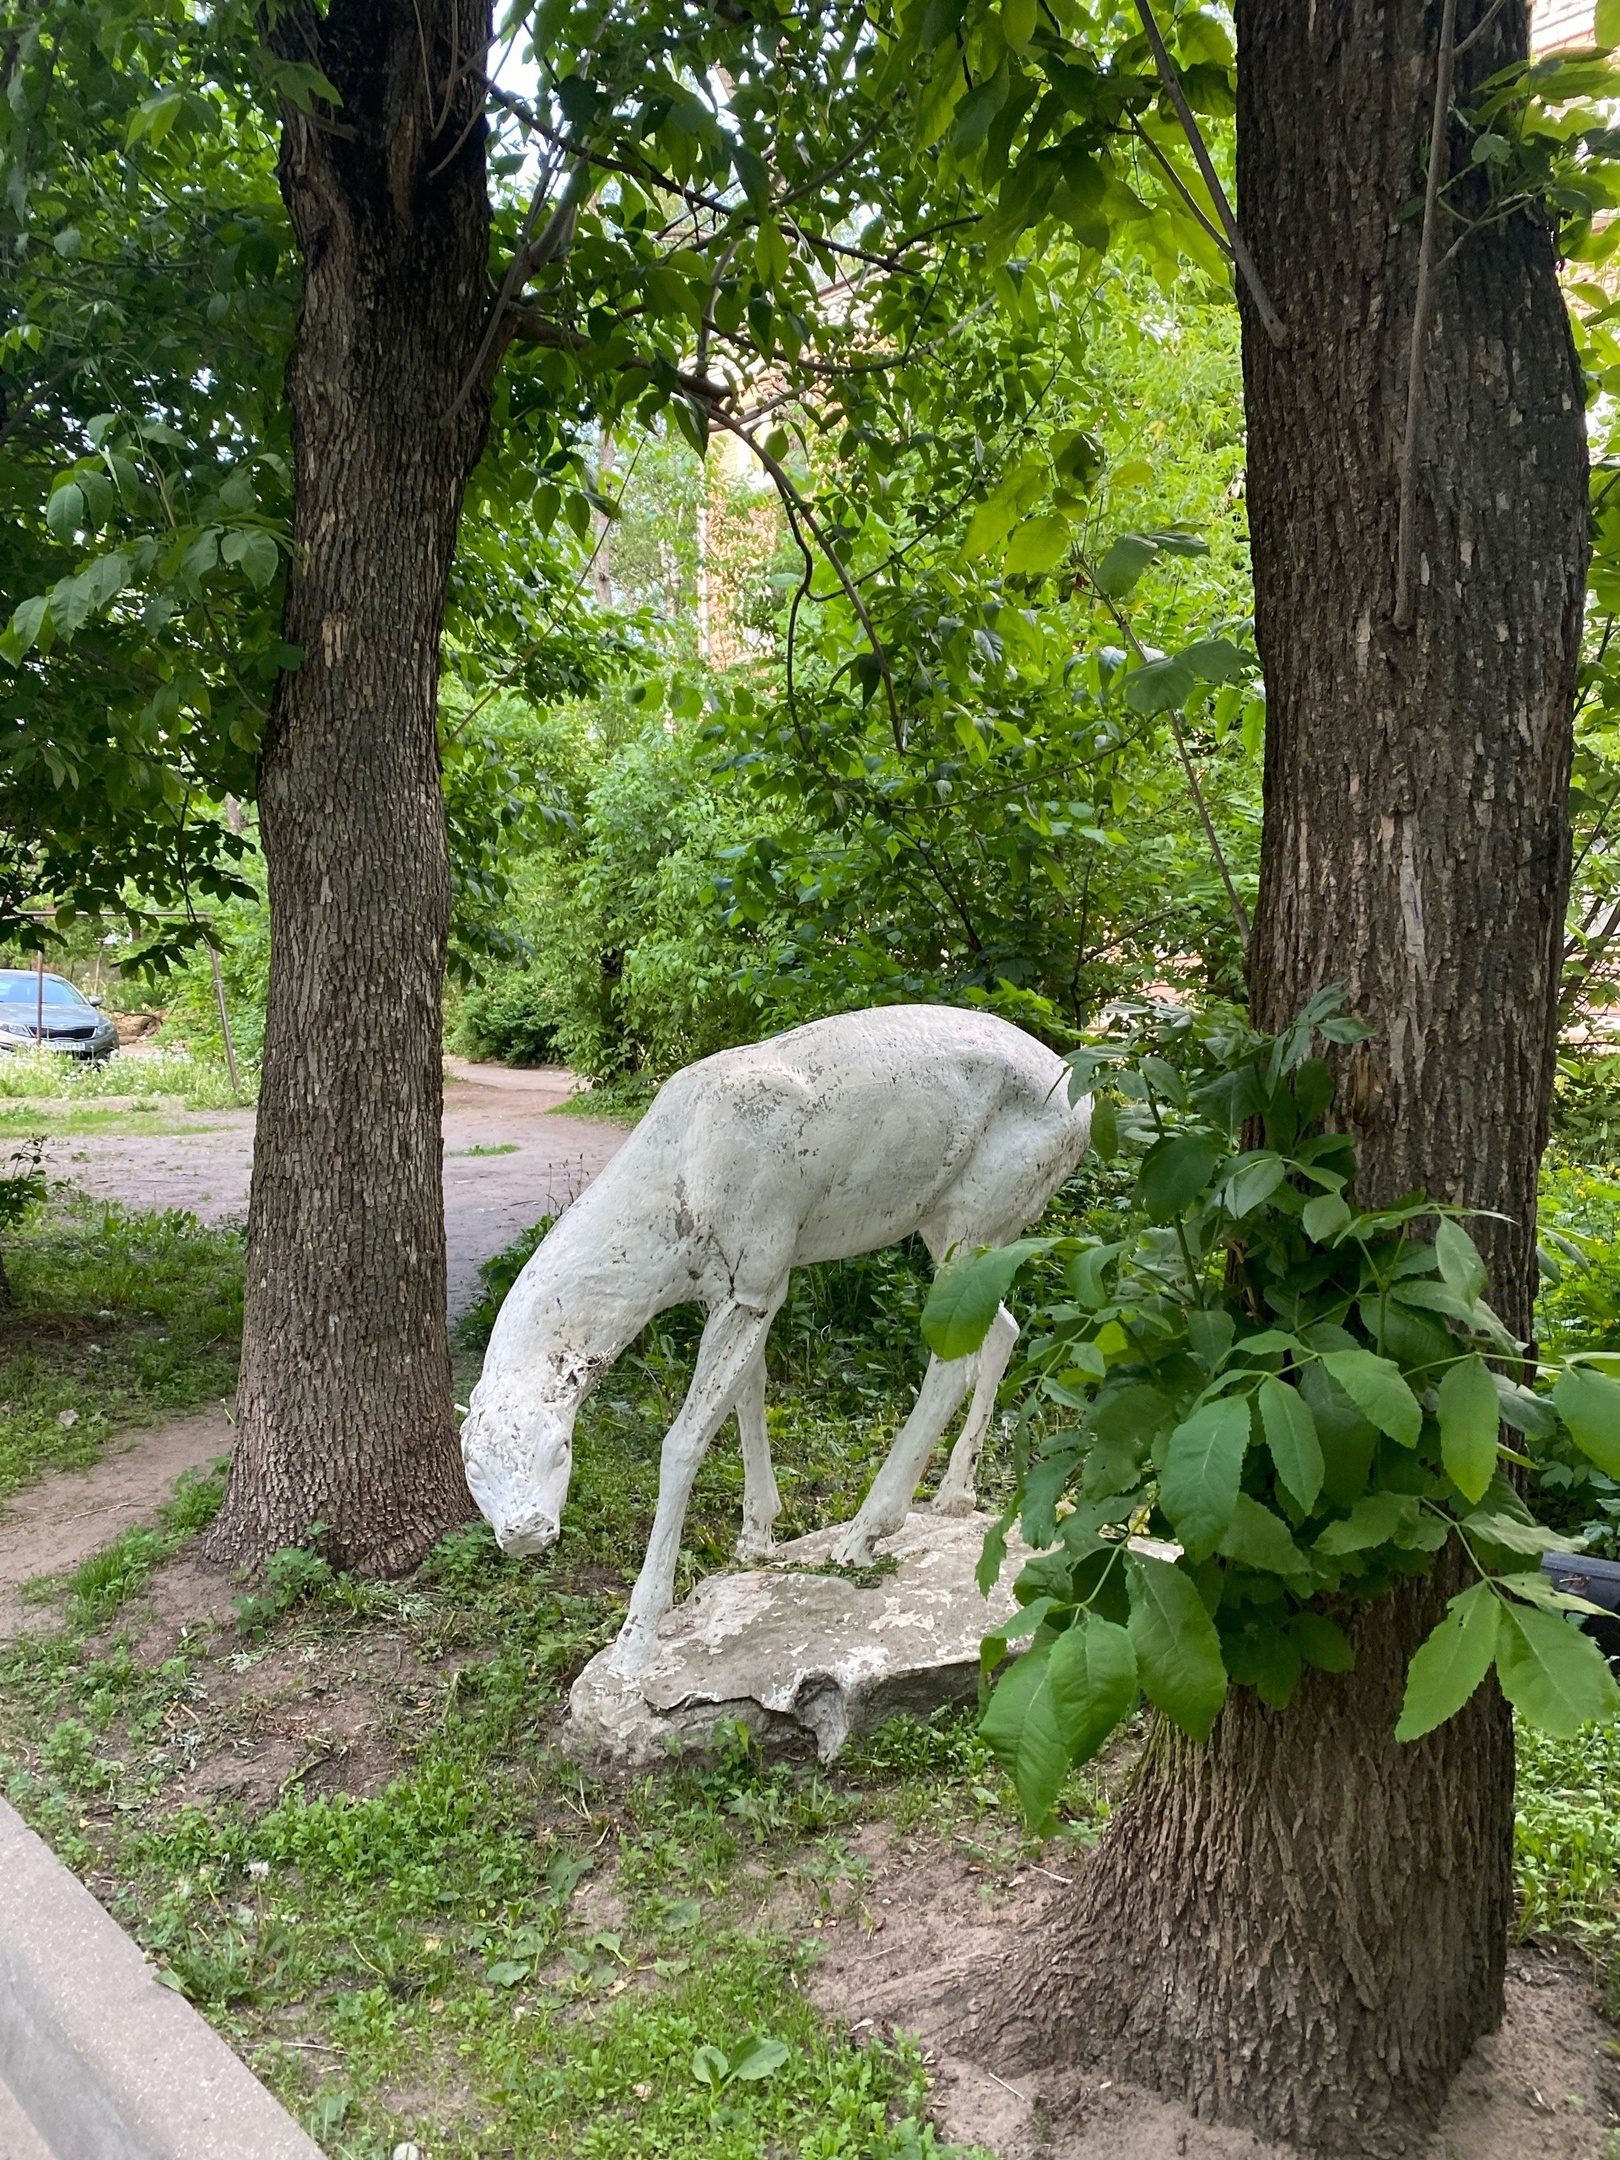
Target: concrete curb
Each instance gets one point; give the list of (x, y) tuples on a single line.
[(106, 2063)]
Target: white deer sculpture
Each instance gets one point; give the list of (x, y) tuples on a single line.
[(834, 1139)]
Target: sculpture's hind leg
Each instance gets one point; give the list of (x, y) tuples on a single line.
[(956, 1495), (733, 1339), (890, 1493), (762, 1503)]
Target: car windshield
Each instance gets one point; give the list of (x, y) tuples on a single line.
[(19, 986)]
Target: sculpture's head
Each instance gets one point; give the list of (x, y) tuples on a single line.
[(519, 1454)]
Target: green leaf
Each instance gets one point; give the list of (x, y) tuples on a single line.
[(1606, 25), (1018, 22), (1459, 1260), (1290, 1433), (753, 176), (1589, 1405), (1085, 1686), (64, 513), (1374, 1384), (1513, 1533), (1259, 1539), (1253, 1179), (507, 1972), (1174, 1172), (1178, 1653), (1122, 565), (255, 551), (1038, 544), (1322, 1643), (1470, 1418), (1104, 1128), (1555, 1676), (1160, 685), (1198, 1485), (1451, 1663), (710, 2067), (966, 1293), (1324, 1217), (758, 2058), (1376, 1520)]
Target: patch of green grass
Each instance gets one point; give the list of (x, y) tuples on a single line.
[(612, 1102), (121, 1316), (496, 1953), (97, 1587), (506, 1147), (198, 1083), (1567, 1844)]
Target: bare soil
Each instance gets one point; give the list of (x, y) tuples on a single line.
[(51, 1527), (940, 1928), (534, 1165)]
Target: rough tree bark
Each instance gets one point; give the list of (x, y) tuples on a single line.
[(344, 1411), (1302, 1927)]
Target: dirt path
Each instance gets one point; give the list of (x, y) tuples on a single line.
[(507, 1161), (54, 1525), (1546, 2087)]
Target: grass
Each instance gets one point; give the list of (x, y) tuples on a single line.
[(419, 1922), (121, 1316), (70, 1091), (492, 1952)]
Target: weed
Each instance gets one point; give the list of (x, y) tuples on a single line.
[(291, 1577)]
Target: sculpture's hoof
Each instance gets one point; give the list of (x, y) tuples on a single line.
[(752, 1550), (629, 1657), (854, 1552), (957, 1502)]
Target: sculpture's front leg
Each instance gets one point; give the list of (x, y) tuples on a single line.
[(734, 1336)]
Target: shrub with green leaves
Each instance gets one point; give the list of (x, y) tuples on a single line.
[(1256, 1413)]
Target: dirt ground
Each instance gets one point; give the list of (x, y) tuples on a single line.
[(202, 1160), (913, 1950), (54, 1525), (1546, 2087)]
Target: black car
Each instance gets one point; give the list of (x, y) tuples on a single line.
[(72, 1023)]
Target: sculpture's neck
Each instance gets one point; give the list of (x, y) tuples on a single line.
[(583, 1301)]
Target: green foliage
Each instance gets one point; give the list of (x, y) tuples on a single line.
[(145, 488), (291, 1576), (22, 1182), (1567, 1843), (511, 1019), (1289, 1395)]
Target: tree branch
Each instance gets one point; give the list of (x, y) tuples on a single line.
[(1422, 315), (1276, 330)]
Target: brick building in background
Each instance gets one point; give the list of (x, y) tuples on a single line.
[(1555, 24)]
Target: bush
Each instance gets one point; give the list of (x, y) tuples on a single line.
[(512, 1019), (1586, 1108)]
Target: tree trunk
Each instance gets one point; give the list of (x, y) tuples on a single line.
[(345, 1410), (1302, 1927)]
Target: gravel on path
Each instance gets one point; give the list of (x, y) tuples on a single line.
[(507, 1161)]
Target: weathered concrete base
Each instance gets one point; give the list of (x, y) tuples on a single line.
[(801, 1655), (97, 2058)]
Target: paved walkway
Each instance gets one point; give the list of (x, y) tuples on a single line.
[(507, 1162)]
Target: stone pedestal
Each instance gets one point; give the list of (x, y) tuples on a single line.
[(801, 1654)]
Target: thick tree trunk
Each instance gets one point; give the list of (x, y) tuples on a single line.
[(1302, 1927), (345, 1411)]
